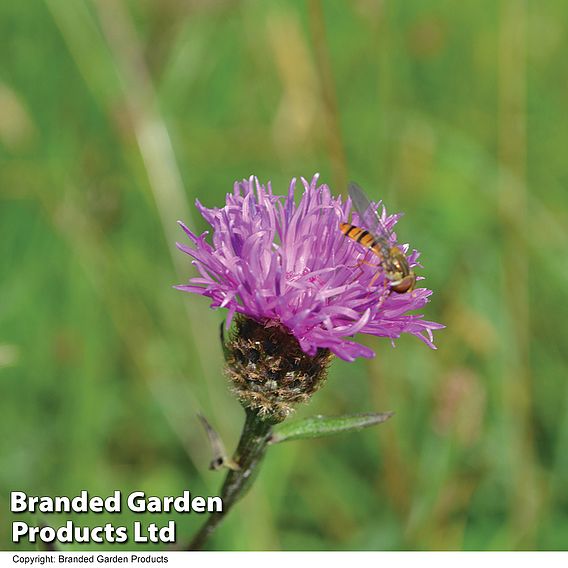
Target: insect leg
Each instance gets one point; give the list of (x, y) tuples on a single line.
[(363, 262)]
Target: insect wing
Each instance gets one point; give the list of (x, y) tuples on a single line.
[(368, 213)]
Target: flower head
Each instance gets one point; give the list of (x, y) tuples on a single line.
[(289, 265)]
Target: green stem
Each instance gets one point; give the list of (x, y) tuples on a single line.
[(248, 455)]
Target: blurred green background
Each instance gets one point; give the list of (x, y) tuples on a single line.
[(115, 116)]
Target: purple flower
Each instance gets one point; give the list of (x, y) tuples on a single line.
[(289, 265)]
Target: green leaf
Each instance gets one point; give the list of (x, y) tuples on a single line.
[(319, 426)]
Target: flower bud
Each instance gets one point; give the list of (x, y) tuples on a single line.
[(269, 371)]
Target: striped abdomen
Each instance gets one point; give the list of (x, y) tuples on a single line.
[(363, 237)]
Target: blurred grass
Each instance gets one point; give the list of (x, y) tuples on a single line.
[(115, 116)]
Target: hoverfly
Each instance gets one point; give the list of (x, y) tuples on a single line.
[(375, 237)]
